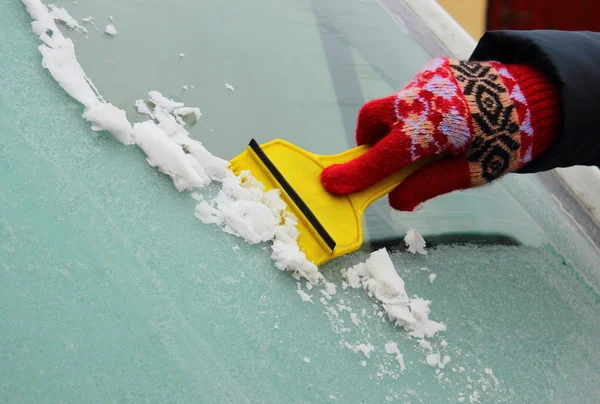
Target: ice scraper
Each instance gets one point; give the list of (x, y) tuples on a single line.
[(330, 225)]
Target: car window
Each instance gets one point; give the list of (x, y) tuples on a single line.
[(113, 291)]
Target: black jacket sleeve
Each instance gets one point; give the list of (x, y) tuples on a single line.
[(572, 61)]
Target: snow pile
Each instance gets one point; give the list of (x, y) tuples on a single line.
[(379, 277)]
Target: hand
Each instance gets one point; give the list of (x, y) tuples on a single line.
[(484, 120)]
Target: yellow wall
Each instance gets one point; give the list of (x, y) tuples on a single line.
[(471, 14)]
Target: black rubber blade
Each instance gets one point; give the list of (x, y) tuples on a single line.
[(293, 195)]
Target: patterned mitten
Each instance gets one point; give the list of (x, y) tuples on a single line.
[(485, 119)]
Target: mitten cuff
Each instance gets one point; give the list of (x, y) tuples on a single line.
[(543, 101)]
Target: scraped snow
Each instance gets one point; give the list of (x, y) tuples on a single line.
[(415, 242), (378, 276)]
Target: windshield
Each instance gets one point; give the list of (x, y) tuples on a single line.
[(113, 291)]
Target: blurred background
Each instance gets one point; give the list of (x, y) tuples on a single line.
[(478, 16)]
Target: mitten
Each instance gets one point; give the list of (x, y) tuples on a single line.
[(483, 120)]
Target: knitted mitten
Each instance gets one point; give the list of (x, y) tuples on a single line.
[(486, 119)]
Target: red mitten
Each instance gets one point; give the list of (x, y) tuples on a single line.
[(486, 118)]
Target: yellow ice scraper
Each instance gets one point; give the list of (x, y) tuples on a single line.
[(330, 225)]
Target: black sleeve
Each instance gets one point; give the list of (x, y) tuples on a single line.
[(572, 60)]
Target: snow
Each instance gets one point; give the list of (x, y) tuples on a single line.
[(489, 372), (366, 349), (304, 296), (229, 87), (415, 242), (425, 345), (436, 360), (392, 349), (379, 277), (107, 117), (330, 288), (432, 277), (111, 30), (432, 359), (168, 157), (62, 15)]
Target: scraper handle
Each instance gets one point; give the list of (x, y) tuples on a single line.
[(362, 199)]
